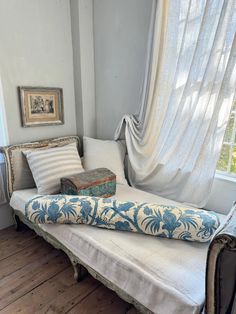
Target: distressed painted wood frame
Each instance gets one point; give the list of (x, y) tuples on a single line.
[(41, 106), (222, 247)]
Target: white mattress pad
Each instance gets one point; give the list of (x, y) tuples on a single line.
[(166, 276)]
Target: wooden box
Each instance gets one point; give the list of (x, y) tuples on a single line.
[(100, 182)]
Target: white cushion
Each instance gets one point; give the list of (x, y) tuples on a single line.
[(105, 154), (48, 166)]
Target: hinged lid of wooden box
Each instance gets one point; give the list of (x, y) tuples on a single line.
[(97, 182)]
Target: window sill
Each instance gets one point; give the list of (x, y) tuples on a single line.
[(225, 177)]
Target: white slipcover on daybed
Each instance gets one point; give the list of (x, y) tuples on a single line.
[(166, 276)]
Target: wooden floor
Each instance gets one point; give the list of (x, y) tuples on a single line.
[(36, 278)]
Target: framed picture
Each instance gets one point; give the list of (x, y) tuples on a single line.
[(41, 106)]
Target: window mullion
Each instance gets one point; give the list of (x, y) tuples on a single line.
[(234, 128), (228, 146), (230, 157), (231, 144)]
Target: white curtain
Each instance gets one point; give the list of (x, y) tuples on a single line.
[(174, 143), (3, 140)]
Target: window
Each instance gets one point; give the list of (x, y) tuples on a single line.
[(227, 161)]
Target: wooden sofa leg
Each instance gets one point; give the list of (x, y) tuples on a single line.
[(80, 272), (18, 223)]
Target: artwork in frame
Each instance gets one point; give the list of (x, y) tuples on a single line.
[(41, 106)]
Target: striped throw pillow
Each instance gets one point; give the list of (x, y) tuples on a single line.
[(48, 166)]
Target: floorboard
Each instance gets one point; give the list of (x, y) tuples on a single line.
[(56, 295), (36, 278), (12, 246), (103, 301), (26, 256)]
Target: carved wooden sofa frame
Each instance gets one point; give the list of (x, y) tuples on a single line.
[(221, 260)]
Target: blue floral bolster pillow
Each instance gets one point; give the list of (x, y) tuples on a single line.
[(157, 220)]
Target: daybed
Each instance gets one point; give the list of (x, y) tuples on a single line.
[(155, 274)]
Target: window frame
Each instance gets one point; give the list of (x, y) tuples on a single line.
[(220, 173)]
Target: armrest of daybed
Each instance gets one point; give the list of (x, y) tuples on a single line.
[(221, 269)]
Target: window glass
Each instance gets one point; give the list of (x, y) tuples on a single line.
[(227, 160)]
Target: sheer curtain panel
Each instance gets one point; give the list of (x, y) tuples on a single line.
[(174, 143)]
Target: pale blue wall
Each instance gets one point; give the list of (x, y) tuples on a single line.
[(36, 50), (120, 40)]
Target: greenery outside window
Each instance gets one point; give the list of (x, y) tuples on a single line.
[(227, 162)]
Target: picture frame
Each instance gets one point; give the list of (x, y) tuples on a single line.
[(41, 106)]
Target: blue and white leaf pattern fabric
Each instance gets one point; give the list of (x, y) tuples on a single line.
[(165, 221)]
